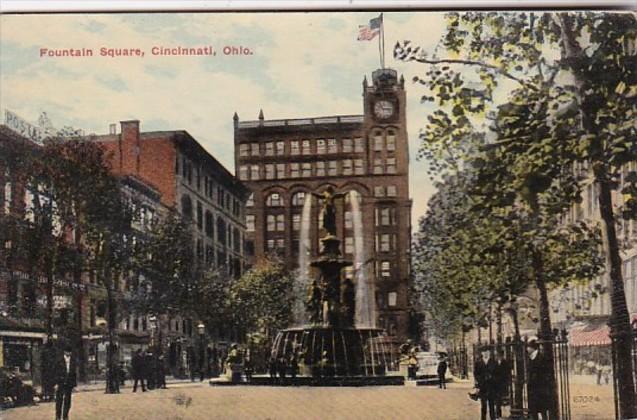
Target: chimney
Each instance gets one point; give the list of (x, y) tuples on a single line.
[(235, 119), (130, 147), (112, 129), (260, 117)]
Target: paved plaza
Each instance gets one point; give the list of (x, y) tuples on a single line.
[(200, 401)]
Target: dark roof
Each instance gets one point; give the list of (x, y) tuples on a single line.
[(189, 145)]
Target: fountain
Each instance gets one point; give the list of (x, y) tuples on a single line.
[(302, 284), (340, 345)]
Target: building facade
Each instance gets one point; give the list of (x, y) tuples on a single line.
[(22, 328), (283, 161), (177, 172), (585, 309)]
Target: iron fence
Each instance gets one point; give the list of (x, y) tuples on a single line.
[(517, 359), (616, 340)]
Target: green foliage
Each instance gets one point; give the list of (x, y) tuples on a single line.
[(169, 268), (262, 299), (522, 99)]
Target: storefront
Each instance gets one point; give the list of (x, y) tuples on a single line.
[(589, 343), (20, 347)]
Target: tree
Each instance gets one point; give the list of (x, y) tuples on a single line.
[(572, 91), (169, 268), (467, 259), (261, 300)]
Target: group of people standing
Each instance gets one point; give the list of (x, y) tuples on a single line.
[(492, 376), (148, 370), (282, 365)]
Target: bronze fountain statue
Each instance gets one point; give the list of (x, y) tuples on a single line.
[(332, 345)]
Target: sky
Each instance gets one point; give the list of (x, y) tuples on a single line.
[(302, 65)]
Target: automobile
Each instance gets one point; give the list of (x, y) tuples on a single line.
[(428, 365)]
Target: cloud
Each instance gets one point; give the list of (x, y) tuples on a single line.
[(303, 64)]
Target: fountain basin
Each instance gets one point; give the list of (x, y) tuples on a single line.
[(326, 352)]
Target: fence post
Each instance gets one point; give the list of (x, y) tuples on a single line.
[(517, 404)]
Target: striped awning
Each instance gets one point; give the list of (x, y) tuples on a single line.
[(587, 336)]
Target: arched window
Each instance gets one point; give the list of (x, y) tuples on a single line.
[(221, 231), (356, 194), (274, 200), (298, 198), (186, 206)]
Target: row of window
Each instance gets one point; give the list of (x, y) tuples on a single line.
[(385, 243), (343, 167), (382, 140), (276, 222), (223, 198), (298, 199), (226, 234)]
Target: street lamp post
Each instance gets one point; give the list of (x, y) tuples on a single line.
[(201, 328), (153, 326)]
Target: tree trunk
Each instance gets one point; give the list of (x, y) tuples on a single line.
[(112, 383), (619, 317), (517, 405), (81, 359), (546, 330), (49, 300), (620, 329), (499, 324)]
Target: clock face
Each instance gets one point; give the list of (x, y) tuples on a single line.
[(383, 109)]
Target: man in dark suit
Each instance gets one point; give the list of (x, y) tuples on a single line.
[(138, 371), (442, 371), (502, 381), (539, 396), (65, 381), (484, 377)]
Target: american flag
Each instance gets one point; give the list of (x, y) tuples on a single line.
[(368, 32)]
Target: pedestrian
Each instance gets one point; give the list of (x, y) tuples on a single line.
[(248, 368), (538, 392), (484, 374), (121, 373), (606, 369), (294, 365), (282, 366), (442, 371), (272, 368), (138, 370), (149, 370), (598, 372), (65, 381), (160, 371), (502, 380)]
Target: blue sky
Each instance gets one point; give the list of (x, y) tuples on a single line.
[(304, 64)]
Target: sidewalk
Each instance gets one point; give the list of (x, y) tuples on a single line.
[(101, 385)]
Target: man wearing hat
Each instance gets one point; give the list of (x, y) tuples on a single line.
[(538, 392), (65, 381), (484, 377)]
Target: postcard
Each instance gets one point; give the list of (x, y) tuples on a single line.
[(390, 214)]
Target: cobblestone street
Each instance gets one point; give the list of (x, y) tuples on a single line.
[(200, 401)]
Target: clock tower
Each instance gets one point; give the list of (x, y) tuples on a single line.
[(384, 99)]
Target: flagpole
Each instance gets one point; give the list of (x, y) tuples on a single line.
[(381, 42)]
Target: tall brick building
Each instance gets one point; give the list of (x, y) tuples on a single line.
[(282, 161), (181, 174)]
